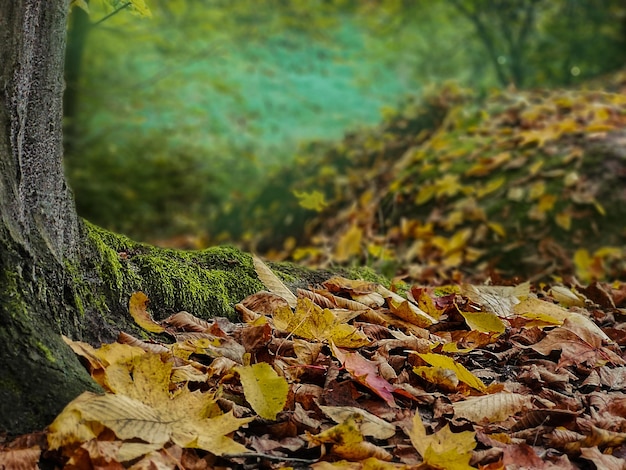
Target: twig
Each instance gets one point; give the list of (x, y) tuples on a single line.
[(247, 455), (114, 12)]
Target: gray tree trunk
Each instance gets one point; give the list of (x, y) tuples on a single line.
[(39, 228)]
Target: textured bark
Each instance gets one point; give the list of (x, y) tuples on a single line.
[(39, 228)]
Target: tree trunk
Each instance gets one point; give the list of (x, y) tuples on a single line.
[(59, 275), (39, 228), (77, 37)]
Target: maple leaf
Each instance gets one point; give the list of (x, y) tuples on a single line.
[(314, 200), (312, 322), (144, 408), (443, 450)]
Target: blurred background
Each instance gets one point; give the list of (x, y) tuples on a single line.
[(185, 118)]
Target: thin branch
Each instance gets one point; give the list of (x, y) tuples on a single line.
[(248, 455), (485, 37), (113, 13)]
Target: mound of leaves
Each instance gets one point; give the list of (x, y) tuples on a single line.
[(353, 375), (528, 184)]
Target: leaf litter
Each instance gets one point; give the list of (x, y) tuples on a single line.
[(352, 374)]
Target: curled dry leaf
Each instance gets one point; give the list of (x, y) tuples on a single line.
[(273, 283), (491, 408), (371, 425), (137, 306)]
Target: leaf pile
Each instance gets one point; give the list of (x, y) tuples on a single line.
[(350, 374), (523, 183)]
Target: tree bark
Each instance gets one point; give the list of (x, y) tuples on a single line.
[(39, 228)]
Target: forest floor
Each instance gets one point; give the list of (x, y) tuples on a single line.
[(498, 342)]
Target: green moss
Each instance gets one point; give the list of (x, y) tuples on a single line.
[(46, 351), (10, 296), (367, 274), (206, 283)]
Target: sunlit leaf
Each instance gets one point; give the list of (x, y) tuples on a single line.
[(137, 305), (264, 389), (444, 449), (314, 200), (486, 322), (445, 362), (349, 244)]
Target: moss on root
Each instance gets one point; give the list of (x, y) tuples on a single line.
[(206, 283)]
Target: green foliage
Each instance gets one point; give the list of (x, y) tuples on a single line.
[(145, 189)]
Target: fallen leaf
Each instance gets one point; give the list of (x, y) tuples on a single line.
[(264, 389), (137, 306)]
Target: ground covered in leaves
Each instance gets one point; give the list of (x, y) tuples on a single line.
[(355, 375), (456, 185)]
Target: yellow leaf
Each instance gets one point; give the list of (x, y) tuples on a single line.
[(546, 202), (314, 200), (444, 449), (537, 190), (498, 228), (564, 220), (425, 193), (381, 252), (558, 313), (444, 378), (487, 165), (540, 320), (445, 362), (490, 187), (349, 244), (371, 425), (310, 321), (179, 419), (448, 185), (486, 322), (146, 379), (538, 136), (140, 7), (69, 427), (582, 262), (347, 432), (264, 389), (406, 310), (137, 307)]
